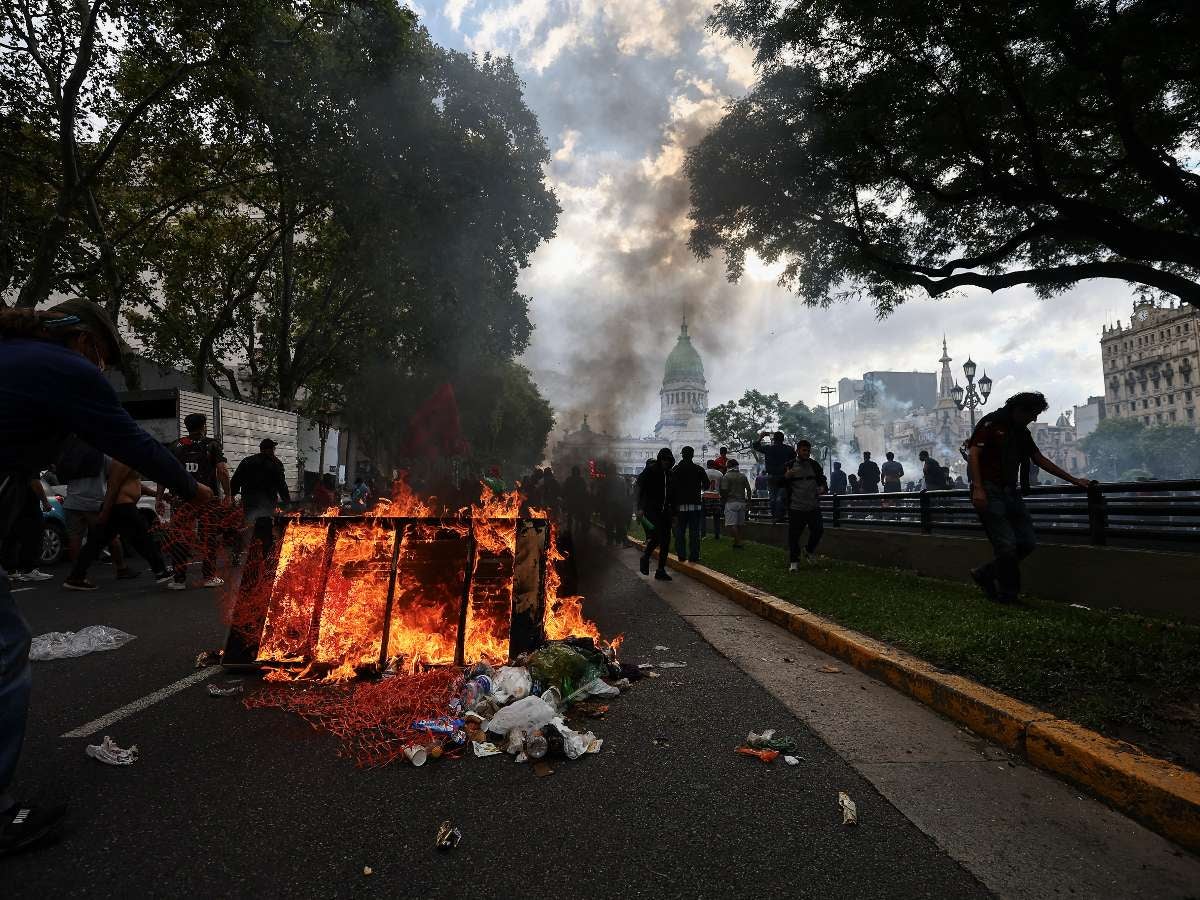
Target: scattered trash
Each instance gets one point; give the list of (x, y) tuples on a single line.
[(591, 709), (70, 644), (768, 741), (207, 658), (623, 684), (766, 756), (448, 836), (830, 670), (655, 674), (1080, 606), (671, 665), (792, 760), (645, 665), (541, 768), (108, 752), (485, 748), (661, 647), (570, 668), (526, 714), (661, 742), (574, 743), (228, 691), (849, 809), (367, 870), (511, 683), (416, 754), (787, 659)]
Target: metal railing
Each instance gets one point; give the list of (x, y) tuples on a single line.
[(1143, 511)]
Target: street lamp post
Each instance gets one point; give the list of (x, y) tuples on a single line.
[(828, 391), (971, 398)]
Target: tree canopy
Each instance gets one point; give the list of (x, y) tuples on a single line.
[(1125, 449), (738, 423), (892, 148)]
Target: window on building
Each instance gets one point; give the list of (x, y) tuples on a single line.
[(1116, 408), (1158, 418), (1145, 403), (1158, 401), (1146, 419), (1172, 415), (1191, 414), (1187, 395)]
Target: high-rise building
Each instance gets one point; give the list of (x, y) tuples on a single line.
[(1152, 366)]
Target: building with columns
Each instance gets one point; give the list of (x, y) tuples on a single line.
[(683, 406), (1152, 366)]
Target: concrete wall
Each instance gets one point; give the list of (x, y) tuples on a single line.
[(1143, 581)]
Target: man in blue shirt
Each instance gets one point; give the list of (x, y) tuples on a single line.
[(52, 384)]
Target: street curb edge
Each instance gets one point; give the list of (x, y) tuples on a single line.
[(1163, 796)]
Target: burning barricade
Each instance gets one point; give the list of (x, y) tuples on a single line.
[(412, 632)]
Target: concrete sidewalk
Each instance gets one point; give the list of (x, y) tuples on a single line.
[(1021, 832)]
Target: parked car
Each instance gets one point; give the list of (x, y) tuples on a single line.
[(54, 529)]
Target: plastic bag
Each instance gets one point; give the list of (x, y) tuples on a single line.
[(594, 688), (511, 683), (563, 667), (575, 744), (69, 644), (526, 714), (768, 741)]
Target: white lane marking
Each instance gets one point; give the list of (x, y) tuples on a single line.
[(18, 590), (138, 705)]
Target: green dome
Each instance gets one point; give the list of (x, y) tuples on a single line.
[(684, 362)]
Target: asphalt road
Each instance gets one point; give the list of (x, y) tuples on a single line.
[(234, 802)]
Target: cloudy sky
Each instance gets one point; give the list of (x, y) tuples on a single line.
[(622, 88)]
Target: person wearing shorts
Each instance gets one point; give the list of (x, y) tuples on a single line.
[(735, 491)]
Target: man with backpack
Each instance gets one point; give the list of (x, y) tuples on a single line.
[(203, 459), (805, 481)]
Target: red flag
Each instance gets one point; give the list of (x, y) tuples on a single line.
[(434, 429)]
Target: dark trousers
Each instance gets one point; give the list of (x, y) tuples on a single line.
[(660, 538), (124, 520), (687, 534), (23, 547), (798, 520), (1007, 523), (718, 517), (15, 682), (194, 531)]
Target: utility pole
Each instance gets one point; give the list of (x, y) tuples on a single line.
[(827, 391)]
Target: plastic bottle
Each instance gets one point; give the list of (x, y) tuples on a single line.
[(536, 744)]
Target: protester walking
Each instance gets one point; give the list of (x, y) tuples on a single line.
[(713, 505), (203, 459), (868, 475), (806, 483), (837, 480), (84, 470), (654, 507), (735, 492), (21, 549), (777, 456), (262, 484), (688, 483), (118, 519), (931, 471), (1001, 450), (892, 473), (576, 502), (52, 383)]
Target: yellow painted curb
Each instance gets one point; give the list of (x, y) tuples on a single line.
[(1160, 794)]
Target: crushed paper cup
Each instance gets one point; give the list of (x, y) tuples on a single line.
[(229, 691), (792, 760), (485, 748), (108, 752), (849, 809), (416, 754)]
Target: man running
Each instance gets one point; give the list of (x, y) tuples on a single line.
[(52, 383), (1000, 451)]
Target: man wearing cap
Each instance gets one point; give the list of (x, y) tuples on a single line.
[(51, 384), (204, 459), (261, 481)]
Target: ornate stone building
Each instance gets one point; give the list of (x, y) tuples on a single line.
[(1152, 366)]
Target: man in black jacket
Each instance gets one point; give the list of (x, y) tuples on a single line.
[(688, 483), (261, 481), (868, 475), (654, 505)]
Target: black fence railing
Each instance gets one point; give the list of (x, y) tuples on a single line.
[(1142, 511)]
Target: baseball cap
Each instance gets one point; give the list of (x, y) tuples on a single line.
[(93, 318), (265, 443)]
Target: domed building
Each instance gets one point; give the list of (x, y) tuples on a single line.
[(683, 406)]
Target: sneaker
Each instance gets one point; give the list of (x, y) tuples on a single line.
[(127, 573), (79, 584), (794, 567), (36, 575), (986, 584), (163, 577), (23, 824), (644, 565), (661, 575), (177, 585), (214, 582)]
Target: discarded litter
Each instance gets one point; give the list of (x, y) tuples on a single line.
[(656, 674), (830, 670), (792, 760), (367, 870), (448, 836), (1080, 606), (108, 752), (661, 742), (485, 748), (206, 658), (645, 665), (70, 644), (416, 754), (227, 691), (766, 756), (849, 809), (526, 714), (768, 741), (672, 665), (541, 768), (661, 647)]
